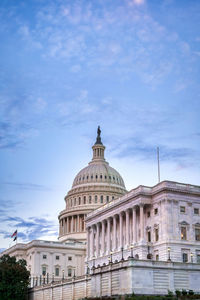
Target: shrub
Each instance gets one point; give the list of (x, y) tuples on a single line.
[(178, 293), (170, 294), (184, 292), (191, 292)]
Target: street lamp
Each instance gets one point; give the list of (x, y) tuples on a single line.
[(111, 253), (131, 247), (122, 249), (191, 257), (169, 250), (93, 262), (87, 269)]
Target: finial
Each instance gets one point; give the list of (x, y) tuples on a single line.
[(98, 141)]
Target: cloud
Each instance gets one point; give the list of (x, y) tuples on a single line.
[(26, 186), (30, 228)]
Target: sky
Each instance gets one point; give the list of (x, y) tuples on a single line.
[(130, 66)]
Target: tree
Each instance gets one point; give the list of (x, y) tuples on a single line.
[(14, 278)]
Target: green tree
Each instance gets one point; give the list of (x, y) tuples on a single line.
[(14, 278)]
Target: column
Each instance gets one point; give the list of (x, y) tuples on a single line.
[(84, 221), (97, 240), (141, 221), (88, 242), (78, 225), (75, 223), (120, 230), (103, 238), (127, 228), (134, 240), (108, 235), (72, 224), (92, 242), (67, 225), (114, 232)]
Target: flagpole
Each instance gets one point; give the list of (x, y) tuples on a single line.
[(158, 164)]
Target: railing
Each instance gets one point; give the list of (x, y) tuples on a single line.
[(42, 280)]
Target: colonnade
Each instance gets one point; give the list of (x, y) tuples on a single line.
[(117, 231), (72, 224)]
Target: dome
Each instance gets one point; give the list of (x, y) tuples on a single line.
[(98, 170), (96, 173), (94, 186)]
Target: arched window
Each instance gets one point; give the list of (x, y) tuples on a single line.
[(90, 199), (101, 198), (79, 200), (95, 198), (84, 199)]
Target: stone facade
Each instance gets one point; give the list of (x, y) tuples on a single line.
[(51, 259), (123, 277), (159, 223)]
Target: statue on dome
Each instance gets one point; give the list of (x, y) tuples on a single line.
[(98, 132), (98, 141)]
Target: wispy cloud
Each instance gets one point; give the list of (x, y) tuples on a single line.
[(30, 228), (26, 186)]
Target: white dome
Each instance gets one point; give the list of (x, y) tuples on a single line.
[(98, 172)]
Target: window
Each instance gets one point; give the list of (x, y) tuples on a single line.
[(113, 197), (105, 177), (74, 201), (156, 234), (91, 176), (149, 236), (107, 199), (113, 178), (87, 177), (84, 199), (157, 257), (196, 211), (96, 176), (100, 176), (183, 233), (69, 258), (90, 199), (148, 214), (79, 200), (44, 256), (57, 271), (155, 211), (101, 198), (182, 209), (198, 258), (110, 177), (197, 234), (95, 198), (57, 257), (185, 257), (69, 272), (44, 270)]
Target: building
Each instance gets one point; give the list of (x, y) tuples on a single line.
[(148, 223), (54, 260), (93, 186), (146, 240)]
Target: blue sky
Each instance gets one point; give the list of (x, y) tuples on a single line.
[(130, 66)]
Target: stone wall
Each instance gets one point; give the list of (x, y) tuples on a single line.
[(125, 277)]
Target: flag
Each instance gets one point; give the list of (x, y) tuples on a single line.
[(14, 235)]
